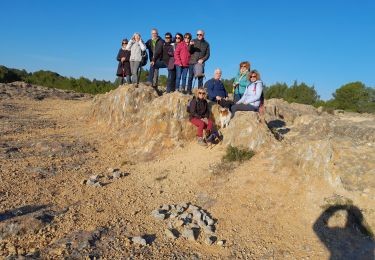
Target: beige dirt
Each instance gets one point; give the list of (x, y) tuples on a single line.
[(260, 212)]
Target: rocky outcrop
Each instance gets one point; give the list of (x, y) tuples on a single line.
[(150, 124), (248, 130), (147, 123), (20, 89)]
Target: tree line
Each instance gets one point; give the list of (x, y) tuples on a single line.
[(354, 96)]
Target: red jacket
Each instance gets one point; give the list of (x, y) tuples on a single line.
[(182, 55)]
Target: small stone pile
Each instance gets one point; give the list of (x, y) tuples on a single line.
[(189, 221), (94, 180)]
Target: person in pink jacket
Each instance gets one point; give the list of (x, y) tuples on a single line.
[(182, 57)]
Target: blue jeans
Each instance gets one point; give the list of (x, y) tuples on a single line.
[(153, 76), (191, 76), (181, 71)]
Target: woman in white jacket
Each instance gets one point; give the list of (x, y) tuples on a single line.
[(135, 46), (251, 99)]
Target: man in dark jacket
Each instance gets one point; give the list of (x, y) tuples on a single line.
[(216, 90), (200, 52), (155, 52), (168, 62)]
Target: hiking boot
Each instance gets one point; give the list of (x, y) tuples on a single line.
[(201, 141)]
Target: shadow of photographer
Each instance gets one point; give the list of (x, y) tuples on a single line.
[(352, 240)]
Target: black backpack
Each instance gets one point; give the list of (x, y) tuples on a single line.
[(144, 58)]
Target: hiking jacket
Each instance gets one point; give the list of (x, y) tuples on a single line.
[(243, 83), (199, 50), (199, 108), (155, 52), (252, 94), (215, 87), (135, 49), (167, 57), (125, 65), (182, 55)]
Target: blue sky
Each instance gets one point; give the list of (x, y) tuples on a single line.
[(322, 43)]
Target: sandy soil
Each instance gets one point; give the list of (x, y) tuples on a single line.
[(48, 148)]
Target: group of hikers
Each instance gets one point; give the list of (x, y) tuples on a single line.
[(185, 58)]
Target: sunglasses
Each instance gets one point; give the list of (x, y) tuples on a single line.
[(243, 66), (199, 34), (253, 76), (124, 43), (201, 93), (178, 38), (187, 37)]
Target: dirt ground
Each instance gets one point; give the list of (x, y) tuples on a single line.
[(47, 148)]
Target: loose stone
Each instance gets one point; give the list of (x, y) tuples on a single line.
[(188, 234), (169, 233), (139, 240), (210, 240)]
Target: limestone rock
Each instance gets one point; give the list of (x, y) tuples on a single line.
[(246, 129)]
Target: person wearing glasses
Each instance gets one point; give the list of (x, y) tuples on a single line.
[(182, 57), (155, 52), (200, 52), (135, 46), (123, 58), (241, 81), (168, 61), (252, 98), (200, 114)]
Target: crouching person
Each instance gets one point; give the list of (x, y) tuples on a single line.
[(200, 114), (252, 98)]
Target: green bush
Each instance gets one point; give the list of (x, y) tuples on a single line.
[(237, 154)]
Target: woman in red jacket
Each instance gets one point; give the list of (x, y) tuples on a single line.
[(182, 57)]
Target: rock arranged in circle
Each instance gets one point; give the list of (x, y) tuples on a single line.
[(189, 222)]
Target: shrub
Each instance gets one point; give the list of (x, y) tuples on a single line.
[(237, 154)]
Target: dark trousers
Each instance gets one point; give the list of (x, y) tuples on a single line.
[(242, 107), (171, 82)]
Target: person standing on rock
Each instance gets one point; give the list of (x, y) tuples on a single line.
[(155, 51), (200, 114), (200, 52), (253, 96), (182, 58), (168, 61), (241, 81), (136, 46), (123, 68)]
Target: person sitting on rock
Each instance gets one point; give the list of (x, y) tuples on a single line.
[(200, 114), (251, 99), (216, 90), (241, 81)]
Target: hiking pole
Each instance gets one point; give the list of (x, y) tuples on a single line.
[(139, 74)]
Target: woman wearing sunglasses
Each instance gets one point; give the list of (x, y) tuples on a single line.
[(123, 68), (199, 114), (182, 57), (252, 98)]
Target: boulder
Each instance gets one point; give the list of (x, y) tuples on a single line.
[(147, 123), (246, 129)]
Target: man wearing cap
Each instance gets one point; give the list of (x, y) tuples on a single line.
[(200, 52)]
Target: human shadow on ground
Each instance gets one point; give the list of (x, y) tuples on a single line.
[(20, 211), (353, 241)]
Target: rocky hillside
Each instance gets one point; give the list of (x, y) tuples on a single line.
[(120, 175)]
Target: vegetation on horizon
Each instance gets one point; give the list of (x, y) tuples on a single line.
[(354, 96)]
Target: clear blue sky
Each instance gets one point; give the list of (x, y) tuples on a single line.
[(322, 43)]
